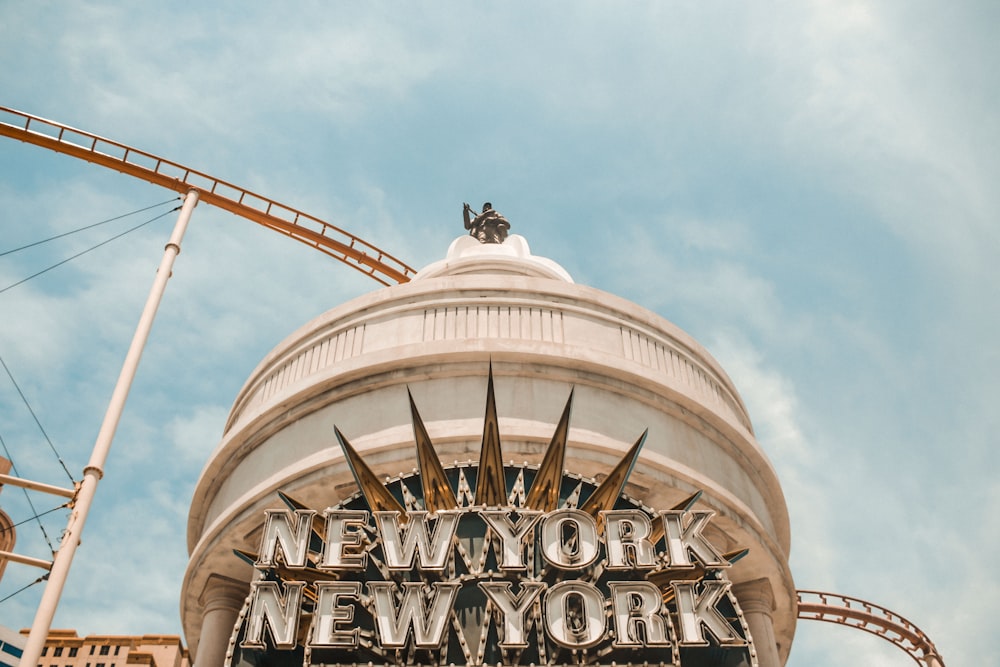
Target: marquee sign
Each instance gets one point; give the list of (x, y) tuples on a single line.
[(483, 563)]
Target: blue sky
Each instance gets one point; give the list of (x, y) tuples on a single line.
[(807, 188)]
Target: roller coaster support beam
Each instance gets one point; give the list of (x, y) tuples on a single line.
[(95, 468)]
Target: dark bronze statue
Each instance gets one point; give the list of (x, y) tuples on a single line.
[(488, 226)]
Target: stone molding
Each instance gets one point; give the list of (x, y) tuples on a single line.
[(223, 593), (756, 596), (513, 311), (474, 321)]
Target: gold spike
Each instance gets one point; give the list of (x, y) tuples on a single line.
[(657, 533), (378, 497), (491, 488), (544, 493), (247, 556), (733, 556), (663, 578), (310, 573), (605, 495), (438, 494), (318, 524), (688, 502)]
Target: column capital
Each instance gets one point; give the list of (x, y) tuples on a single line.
[(755, 596), (223, 593)]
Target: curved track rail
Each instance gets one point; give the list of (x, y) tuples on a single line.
[(329, 239), (856, 613)]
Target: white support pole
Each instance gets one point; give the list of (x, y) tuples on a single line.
[(37, 486), (25, 560), (95, 468)]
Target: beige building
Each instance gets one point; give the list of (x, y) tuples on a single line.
[(8, 533), (64, 648), (544, 337), (11, 647)]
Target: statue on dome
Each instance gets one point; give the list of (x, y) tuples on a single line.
[(488, 226)]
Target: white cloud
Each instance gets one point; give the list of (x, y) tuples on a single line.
[(724, 237), (775, 410), (195, 436), (707, 280), (879, 110), (319, 59)]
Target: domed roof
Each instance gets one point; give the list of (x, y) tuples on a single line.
[(466, 256)]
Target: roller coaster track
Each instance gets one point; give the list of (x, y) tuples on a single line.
[(856, 613), (327, 238)]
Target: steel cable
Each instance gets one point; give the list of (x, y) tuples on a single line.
[(81, 229), (84, 252)]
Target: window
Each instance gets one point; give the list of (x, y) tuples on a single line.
[(58, 651), (91, 651), (72, 651), (10, 649), (104, 651), (45, 650), (116, 649)]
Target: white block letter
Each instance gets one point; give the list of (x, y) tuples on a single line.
[(291, 536)]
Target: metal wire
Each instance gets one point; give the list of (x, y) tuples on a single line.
[(24, 588), (34, 512), (68, 259), (32, 518), (37, 423), (81, 229)]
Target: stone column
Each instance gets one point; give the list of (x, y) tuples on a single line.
[(756, 599), (221, 600)]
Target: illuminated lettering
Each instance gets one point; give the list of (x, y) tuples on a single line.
[(330, 617), (289, 532), (537, 580), (513, 608), (683, 541), (345, 540), (569, 539), (427, 623), (279, 613), (697, 612), (636, 606), (511, 535), (400, 549), (574, 614), (626, 534)]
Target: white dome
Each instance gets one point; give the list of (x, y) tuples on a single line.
[(466, 255)]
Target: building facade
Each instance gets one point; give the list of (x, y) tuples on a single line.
[(389, 389), (11, 647), (64, 648)]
